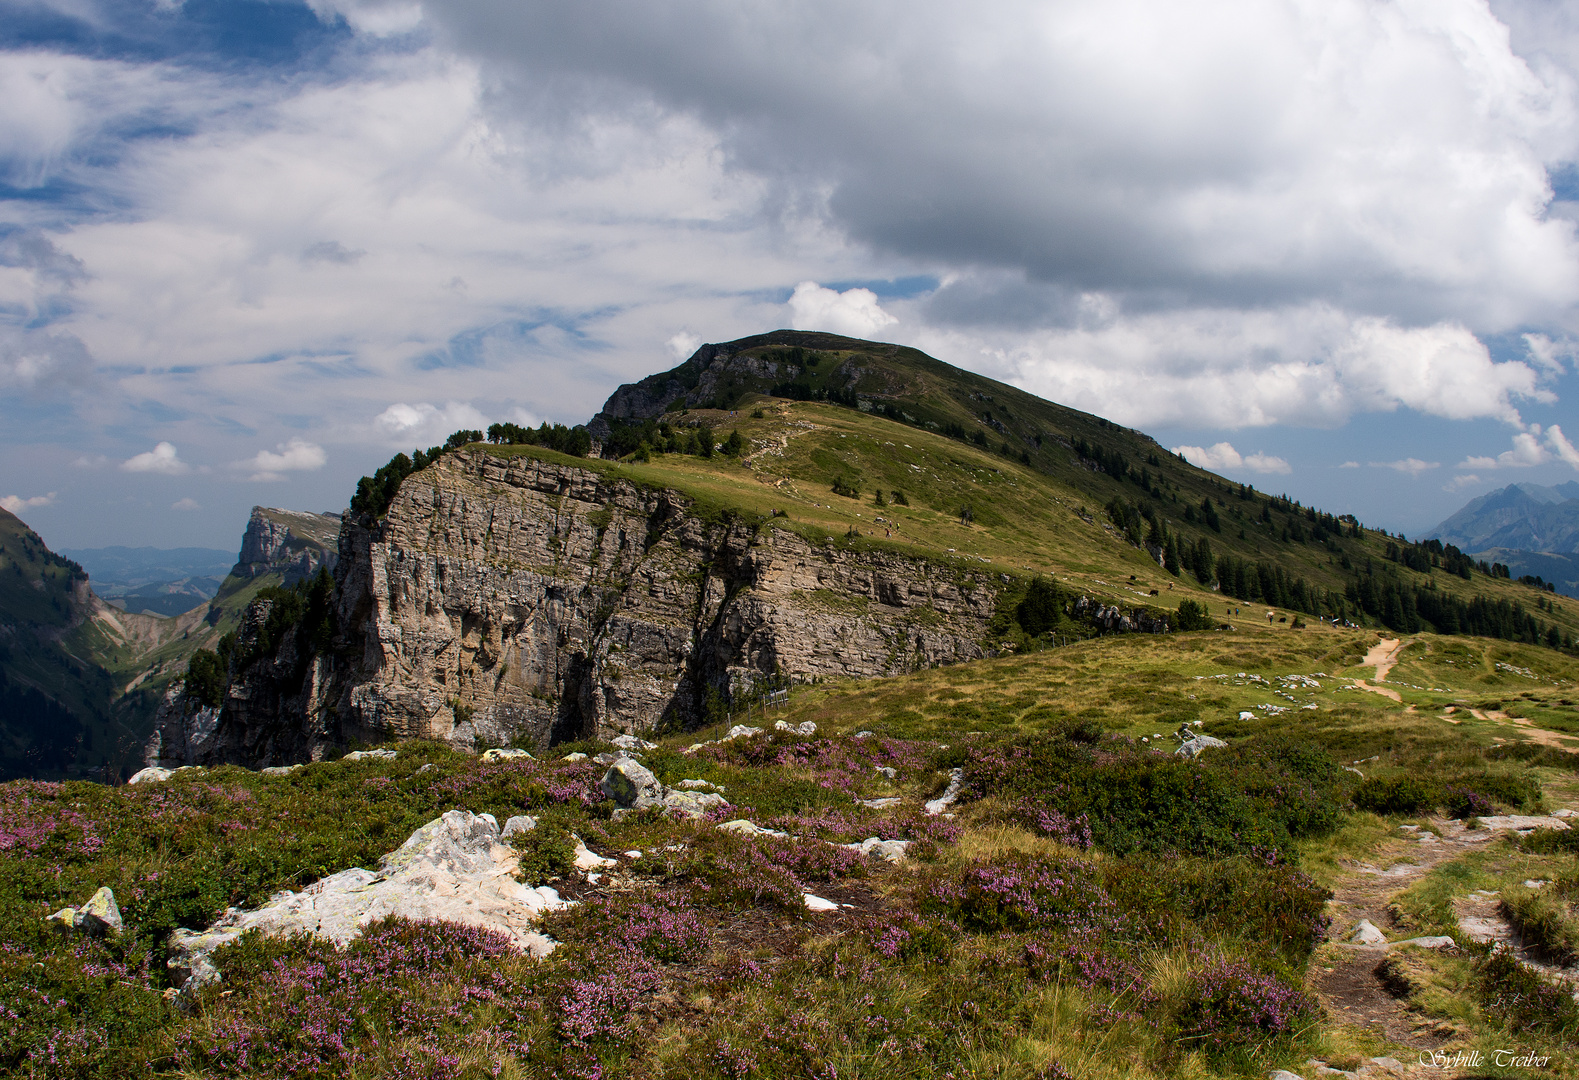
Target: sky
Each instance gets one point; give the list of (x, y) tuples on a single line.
[(249, 249)]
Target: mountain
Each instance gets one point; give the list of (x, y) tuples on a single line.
[(82, 676), (787, 507), (1521, 517), (159, 581)]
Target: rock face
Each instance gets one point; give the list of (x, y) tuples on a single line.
[(514, 600), (289, 542)]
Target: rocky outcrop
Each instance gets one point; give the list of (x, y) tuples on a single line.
[(510, 598), (1111, 619), (456, 868), (709, 370), (507, 599), (293, 543)]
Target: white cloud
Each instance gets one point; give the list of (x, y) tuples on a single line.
[(1549, 355), (1459, 483), (854, 312), (1221, 456), (1530, 448), (402, 423), (682, 345), (161, 459), (185, 504), (16, 504), (379, 18), (1350, 465), (1312, 366), (90, 461), (1412, 466), (297, 455)]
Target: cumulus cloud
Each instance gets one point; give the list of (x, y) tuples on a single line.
[(1313, 365), (161, 459), (1222, 456), (1208, 152), (188, 503), (854, 312), (682, 345), (1459, 483), (297, 455), (402, 423), (16, 503), (1530, 448), (1412, 466)]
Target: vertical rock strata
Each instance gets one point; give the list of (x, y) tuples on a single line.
[(510, 597)]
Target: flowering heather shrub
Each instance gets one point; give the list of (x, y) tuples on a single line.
[(300, 1007), (1269, 907), (1228, 1005), (846, 824), (1019, 892), (36, 821), (744, 872), (1088, 962), (660, 923), (903, 936), (1519, 999), (1462, 802), (1072, 832), (822, 772), (61, 1010)]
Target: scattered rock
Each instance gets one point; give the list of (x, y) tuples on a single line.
[(1282, 1074), (607, 758), (1195, 742), (1247, 716), (862, 735), (1366, 933), (740, 731), (803, 728), (629, 783), (520, 823), (429, 767), (634, 853), (699, 785), (577, 756), (371, 755), (591, 860), (956, 784), (286, 770), (64, 920), (880, 804), (1531, 883), (1436, 941), (631, 742), (817, 903), (1565, 813), (891, 850), (1356, 772), (506, 753), (751, 828), (153, 774), (453, 868), (888, 771), (1521, 822), (1387, 1063)]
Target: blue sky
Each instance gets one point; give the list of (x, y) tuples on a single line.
[(249, 249)]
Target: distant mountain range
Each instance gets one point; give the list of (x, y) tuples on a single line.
[(156, 581), (1531, 529)]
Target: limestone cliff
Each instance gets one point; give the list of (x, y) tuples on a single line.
[(512, 599), (288, 542)]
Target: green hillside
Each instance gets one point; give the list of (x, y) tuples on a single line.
[(991, 473)]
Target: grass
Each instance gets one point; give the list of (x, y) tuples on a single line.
[(942, 964)]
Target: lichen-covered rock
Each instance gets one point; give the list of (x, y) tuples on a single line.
[(629, 783), (506, 754), (153, 774), (951, 794)]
